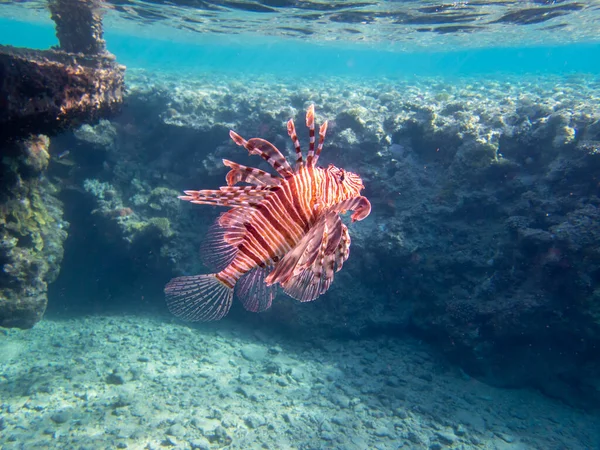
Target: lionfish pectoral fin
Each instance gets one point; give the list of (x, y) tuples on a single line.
[(309, 281), (198, 298), (307, 271), (335, 229), (343, 250), (311, 250), (302, 255), (284, 269), (313, 281), (302, 287), (232, 196), (325, 234), (253, 292)]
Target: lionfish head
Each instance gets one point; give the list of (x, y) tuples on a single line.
[(350, 183)]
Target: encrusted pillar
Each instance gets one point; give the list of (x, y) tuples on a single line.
[(44, 92)]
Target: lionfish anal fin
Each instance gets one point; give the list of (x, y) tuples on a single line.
[(253, 292)]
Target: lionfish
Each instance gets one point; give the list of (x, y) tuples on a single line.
[(281, 230)]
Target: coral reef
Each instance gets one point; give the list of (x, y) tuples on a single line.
[(102, 135), (32, 233), (483, 237)]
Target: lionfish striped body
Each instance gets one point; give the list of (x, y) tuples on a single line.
[(281, 230)]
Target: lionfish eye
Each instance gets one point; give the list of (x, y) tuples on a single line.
[(342, 176)]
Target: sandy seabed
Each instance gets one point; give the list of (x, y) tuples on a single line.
[(152, 383)]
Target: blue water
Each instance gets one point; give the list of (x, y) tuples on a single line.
[(467, 313), (287, 56)]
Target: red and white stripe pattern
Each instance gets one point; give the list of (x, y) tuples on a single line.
[(282, 230)]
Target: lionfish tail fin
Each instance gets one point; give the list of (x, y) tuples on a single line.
[(198, 298)]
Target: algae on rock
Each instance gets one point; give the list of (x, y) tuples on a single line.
[(32, 233)]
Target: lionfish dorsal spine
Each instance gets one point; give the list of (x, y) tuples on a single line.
[(291, 129), (310, 123), (266, 151), (233, 196), (322, 133), (243, 174), (313, 156)]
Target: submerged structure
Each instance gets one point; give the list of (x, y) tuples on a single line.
[(47, 91), (44, 92)]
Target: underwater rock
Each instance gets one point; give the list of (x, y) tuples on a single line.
[(102, 134), (115, 378), (200, 444), (61, 416), (254, 353), (32, 233)]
